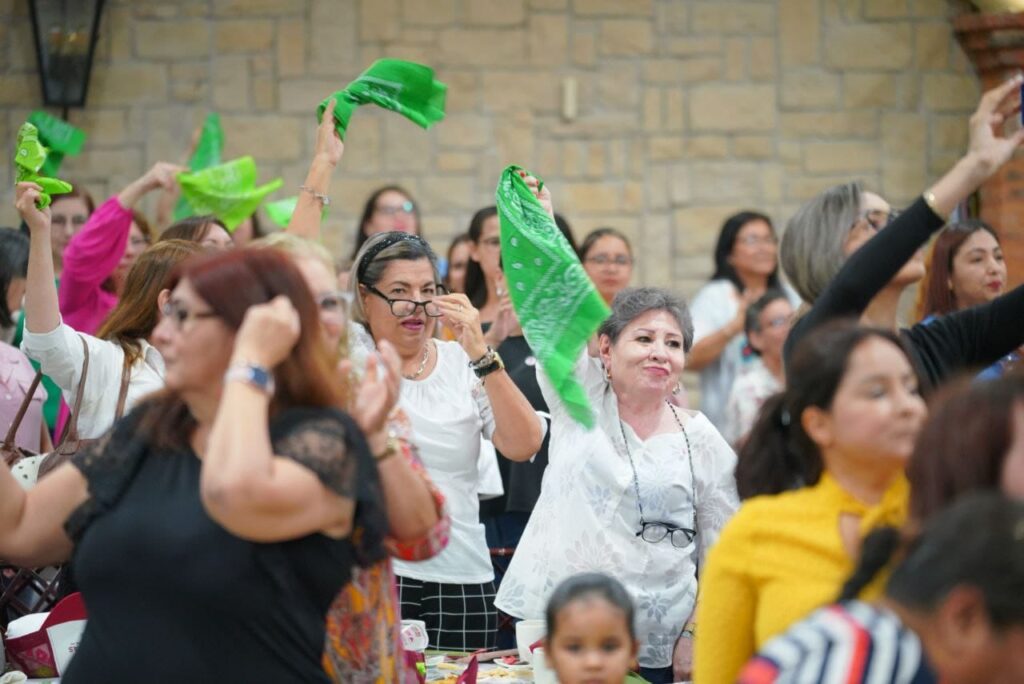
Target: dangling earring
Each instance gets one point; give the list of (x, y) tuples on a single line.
[(607, 373), (678, 388)]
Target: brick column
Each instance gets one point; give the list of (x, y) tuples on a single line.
[(995, 45)]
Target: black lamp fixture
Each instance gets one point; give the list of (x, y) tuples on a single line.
[(65, 33)]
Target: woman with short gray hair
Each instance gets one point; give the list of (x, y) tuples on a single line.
[(838, 257), (642, 495)]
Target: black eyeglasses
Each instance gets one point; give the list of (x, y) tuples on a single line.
[(407, 307), (879, 219), (655, 532), (180, 315)]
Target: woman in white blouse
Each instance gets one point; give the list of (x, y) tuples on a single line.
[(121, 345), (642, 495), (453, 392)]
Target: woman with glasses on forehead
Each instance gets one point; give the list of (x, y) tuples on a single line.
[(849, 255), (746, 266), (453, 392), (643, 495), (123, 365)]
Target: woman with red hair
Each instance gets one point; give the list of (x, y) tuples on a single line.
[(218, 514)]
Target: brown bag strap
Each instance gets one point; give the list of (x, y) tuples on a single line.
[(25, 403), (71, 429), (126, 376)]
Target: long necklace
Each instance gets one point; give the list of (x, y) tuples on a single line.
[(423, 364), (689, 455)]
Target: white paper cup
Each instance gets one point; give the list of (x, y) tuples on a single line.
[(527, 633), (414, 635)]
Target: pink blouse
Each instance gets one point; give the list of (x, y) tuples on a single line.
[(16, 375), (90, 258)]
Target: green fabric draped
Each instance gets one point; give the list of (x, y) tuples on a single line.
[(557, 304), (29, 158), (228, 191), (207, 154), (59, 137), (404, 87)]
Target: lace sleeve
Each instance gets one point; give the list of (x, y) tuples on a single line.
[(108, 465), (330, 444)]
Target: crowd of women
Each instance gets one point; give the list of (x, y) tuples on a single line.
[(270, 456)]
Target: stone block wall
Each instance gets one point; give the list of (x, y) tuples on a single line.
[(687, 109)]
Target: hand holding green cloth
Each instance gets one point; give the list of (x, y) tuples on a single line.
[(280, 211), (404, 87), (206, 154), (557, 304), (59, 137), (29, 157), (227, 191)]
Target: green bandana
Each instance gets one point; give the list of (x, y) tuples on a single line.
[(227, 191), (29, 157), (404, 87), (280, 212), (558, 306), (206, 154), (60, 138)]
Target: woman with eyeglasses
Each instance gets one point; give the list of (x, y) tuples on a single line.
[(849, 255), (608, 259), (746, 266), (453, 392), (363, 638), (219, 516), (643, 494), (389, 208), (850, 414), (123, 364)]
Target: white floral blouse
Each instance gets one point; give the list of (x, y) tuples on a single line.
[(587, 517)]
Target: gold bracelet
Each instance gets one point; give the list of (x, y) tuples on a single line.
[(933, 204), (390, 450)]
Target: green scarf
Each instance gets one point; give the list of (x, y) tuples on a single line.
[(227, 191), (29, 157), (59, 137), (404, 87), (557, 304), (207, 154), (280, 212)]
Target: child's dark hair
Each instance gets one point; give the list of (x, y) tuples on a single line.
[(752, 321), (778, 455), (585, 586), (977, 541)]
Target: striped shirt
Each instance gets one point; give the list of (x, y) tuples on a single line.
[(845, 643)]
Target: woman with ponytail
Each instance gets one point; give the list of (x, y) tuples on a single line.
[(841, 432), (950, 617)]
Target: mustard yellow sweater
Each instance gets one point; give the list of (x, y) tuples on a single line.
[(779, 558)]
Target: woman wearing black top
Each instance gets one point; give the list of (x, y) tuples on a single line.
[(209, 531), (882, 263)]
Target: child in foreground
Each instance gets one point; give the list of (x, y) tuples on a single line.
[(590, 635)]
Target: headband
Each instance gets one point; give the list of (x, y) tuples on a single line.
[(393, 238)]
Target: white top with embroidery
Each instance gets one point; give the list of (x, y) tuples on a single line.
[(586, 519), (750, 390)]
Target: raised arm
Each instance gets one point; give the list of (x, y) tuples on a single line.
[(41, 310), (871, 267), (95, 251), (245, 487), (309, 209)]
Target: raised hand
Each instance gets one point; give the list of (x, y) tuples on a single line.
[(268, 333), (375, 396), (26, 201), (329, 145), (463, 319), (986, 140)]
